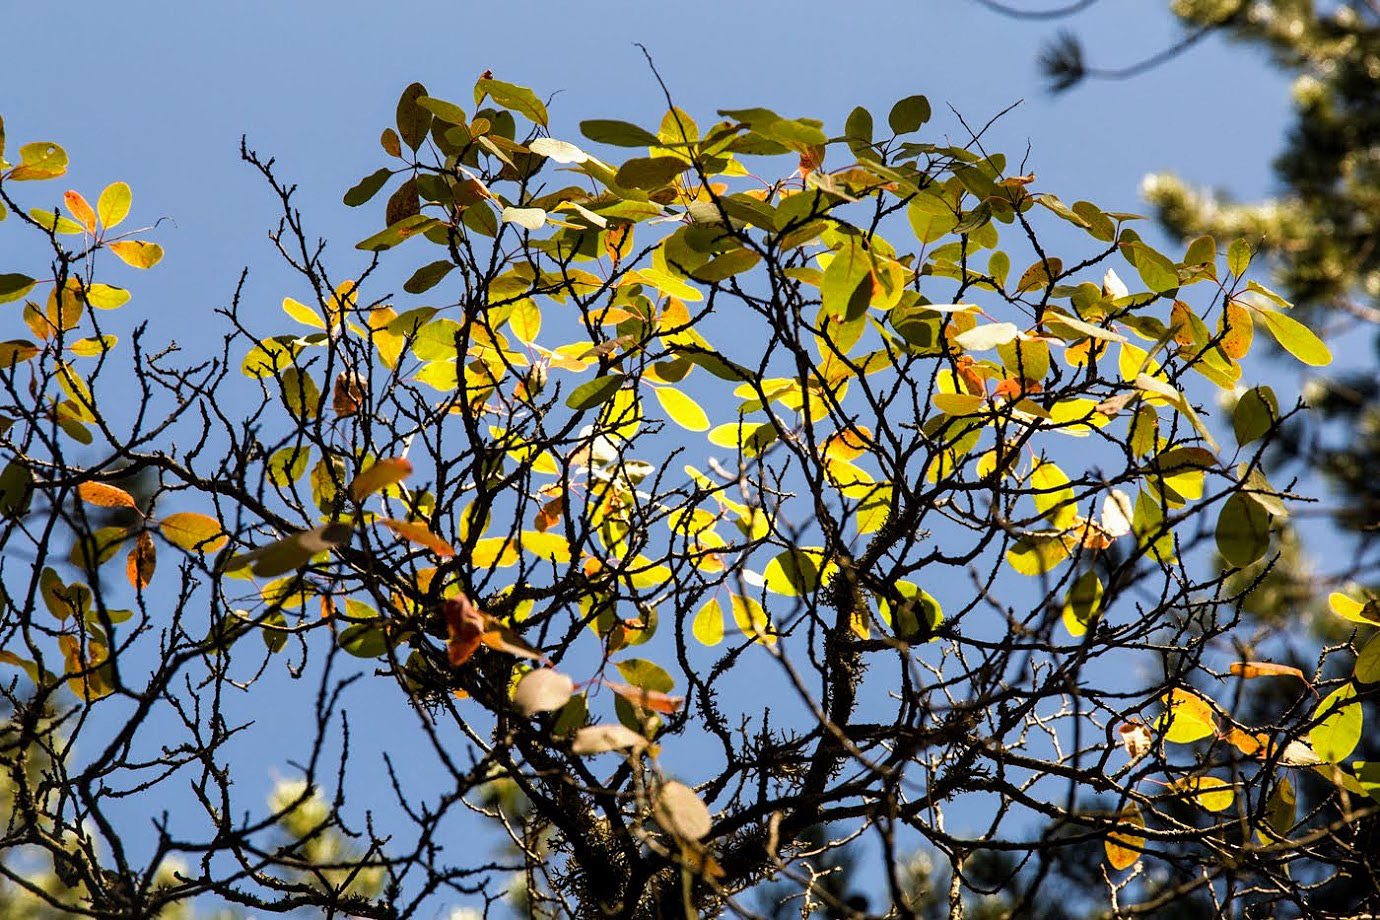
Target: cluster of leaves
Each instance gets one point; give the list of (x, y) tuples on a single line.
[(944, 496)]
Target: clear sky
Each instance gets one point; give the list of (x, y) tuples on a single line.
[(159, 94)]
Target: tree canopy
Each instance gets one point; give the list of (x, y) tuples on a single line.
[(715, 513)]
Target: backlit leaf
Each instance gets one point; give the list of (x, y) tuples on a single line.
[(141, 561), (597, 739), (594, 392), (542, 690), (137, 253), (419, 534), (1249, 669), (1243, 531), (681, 409), (78, 207), (680, 812), (1207, 792), (1295, 338), (708, 626), (1187, 717), (192, 531), (518, 98), (1336, 736), (1082, 604), (105, 496), (39, 160), (383, 473), (292, 552), (1123, 847), (113, 205)]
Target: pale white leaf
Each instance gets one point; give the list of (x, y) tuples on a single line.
[(596, 739), (560, 151), (680, 812), (542, 690), (531, 218)]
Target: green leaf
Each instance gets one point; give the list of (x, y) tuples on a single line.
[(428, 276), (413, 121), (292, 552), (364, 640), (274, 631), (287, 465), (646, 675), (595, 392), (1156, 270), (1256, 412), (519, 99), (909, 114), (648, 173), (300, 393), (1243, 531), (39, 160), (1238, 257), (794, 573), (1337, 735), (367, 187), (403, 230), (1082, 603), (617, 133), (1368, 661), (14, 286), (848, 270), (448, 112), (1295, 338)]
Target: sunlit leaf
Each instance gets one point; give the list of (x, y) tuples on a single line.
[(1336, 736), (1208, 792), (419, 533), (1123, 847), (138, 253), (1249, 669), (78, 207), (708, 626), (1187, 717), (594, 392), (382, 474), (681, 409), (292, 552), (39, 160), (680, 812), (106, 496), (142, 560), (542, 690), (113, 205), (1295, 338), (1243, 531), (597, 739), (1082, 604), (192, 531)]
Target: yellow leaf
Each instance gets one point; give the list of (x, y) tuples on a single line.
[(708, 626), (138, 253), (681, 409), (494, 552), (305, 314), (193, 531), (752, 619), (113, 205), (525, 320), (1207, 791), (1188, 717)]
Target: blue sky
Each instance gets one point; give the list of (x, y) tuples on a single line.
[(160, 94)]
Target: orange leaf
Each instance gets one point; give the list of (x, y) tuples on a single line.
[(647, 699), (464, 630), (98, 493), (1123, 848), (1237, 330), (418, 533), (138, 253), (139, 567), (82, 211), (381, 475), (1247, 743), (1265, 669), (550, 514), (347, 395)]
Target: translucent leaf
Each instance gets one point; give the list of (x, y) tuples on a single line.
[(113, 205), (559, 151), (419, 534), (1187, 717), (105, 496), (1336, 736), (1123, 847), (1053, 494), (752, 619), (16, 351), (1236, 330), (517, 98), (651, 700), (1367, 614), (680, 812), (1368, 662), (287, 465), (542, 690), (1238, 257), (1282, 805), (708, 626), (1207, 792), (1249, 669), (191, 531), (1295, 338), (39, 160), (106, 296), (681, 409), (1037, 553), (525, 320), (303, 313), (1082, 604), (364, 640), (142, 560), (382, 474), (138, 253), (81, 210), (1255, 414)]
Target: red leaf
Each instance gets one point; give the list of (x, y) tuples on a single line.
[(647, 699), (465, 628)]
